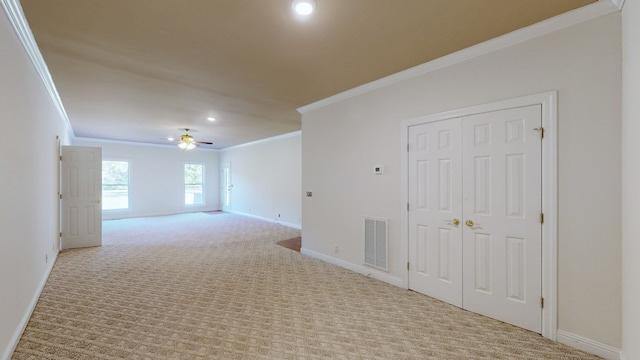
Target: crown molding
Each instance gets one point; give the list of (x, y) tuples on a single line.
[(577, 16), (19, 23), (136, 143), (265, 140), (618, 3)]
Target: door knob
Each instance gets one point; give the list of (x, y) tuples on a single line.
[(469, 222), (455, 222)]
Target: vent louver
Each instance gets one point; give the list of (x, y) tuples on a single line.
[(375, 243)]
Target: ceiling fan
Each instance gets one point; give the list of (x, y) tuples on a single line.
[(188, 142)]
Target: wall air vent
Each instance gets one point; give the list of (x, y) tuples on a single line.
[(375, 243)]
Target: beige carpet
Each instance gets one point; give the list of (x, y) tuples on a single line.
[(196, 286)]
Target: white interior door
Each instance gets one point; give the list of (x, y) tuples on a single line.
[(435, 233), (81, 196), (225, 189), (485, 172), (502, 205)]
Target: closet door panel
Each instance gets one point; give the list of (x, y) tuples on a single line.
[(502, 275), (435, 185)]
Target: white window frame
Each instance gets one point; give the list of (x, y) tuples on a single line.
[(202, 184), (129, 167)]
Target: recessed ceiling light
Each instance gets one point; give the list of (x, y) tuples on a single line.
[(211, 118), (303, 7)]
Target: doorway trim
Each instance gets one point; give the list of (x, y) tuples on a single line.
[(225, 186), (549, 103)]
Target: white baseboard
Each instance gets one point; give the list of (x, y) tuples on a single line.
[(125, 214), (6, 355), (283, 223), (366, 271), (588, 345)]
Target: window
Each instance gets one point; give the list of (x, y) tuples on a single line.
[(115, 185), (193, 184)]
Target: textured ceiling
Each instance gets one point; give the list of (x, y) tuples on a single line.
[(142, 70)]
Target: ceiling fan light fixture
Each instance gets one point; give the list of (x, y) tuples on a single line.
[(186, 145), (187, 142), (303, 7)]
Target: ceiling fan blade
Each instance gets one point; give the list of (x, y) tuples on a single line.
[(204, 142)]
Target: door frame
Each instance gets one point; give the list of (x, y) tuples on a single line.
[(549, 103), (58, 243), (225, 186)]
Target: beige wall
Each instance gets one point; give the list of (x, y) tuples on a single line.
[(28, 185), (156, 177), (631, 180), (343, 141), (266, 178)]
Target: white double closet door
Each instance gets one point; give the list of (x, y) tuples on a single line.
[(475, 213)]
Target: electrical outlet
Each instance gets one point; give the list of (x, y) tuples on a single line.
[(46, 258)]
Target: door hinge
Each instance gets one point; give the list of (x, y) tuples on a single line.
[(407, 147), (542, 302), (407, 266), (60, 234), (541, 218), (60, 196), (407, 206), (540, 131)]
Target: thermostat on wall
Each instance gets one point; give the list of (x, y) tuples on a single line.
[(378, 169)]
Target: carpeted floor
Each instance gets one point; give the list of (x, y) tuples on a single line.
[(196, 286)]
